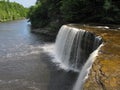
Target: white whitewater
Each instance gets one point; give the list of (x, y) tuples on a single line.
[(83, 75), (76, 49), (73, 47), (63, 45)]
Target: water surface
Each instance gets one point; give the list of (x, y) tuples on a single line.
[(24, 65)]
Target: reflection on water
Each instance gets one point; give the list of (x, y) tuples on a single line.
[(23, 63)]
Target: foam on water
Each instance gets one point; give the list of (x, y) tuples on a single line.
[(16, 83), (24, 51), (50, 50)]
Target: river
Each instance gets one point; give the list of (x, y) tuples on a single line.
[(24, 64)]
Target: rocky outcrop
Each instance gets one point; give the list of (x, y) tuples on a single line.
[(105, 72)]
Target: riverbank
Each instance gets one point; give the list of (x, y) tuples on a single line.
[(7, 20), (47, 34), (48, 31), (52, 32)]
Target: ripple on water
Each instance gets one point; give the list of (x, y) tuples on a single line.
[(21, 84), (24, 51)]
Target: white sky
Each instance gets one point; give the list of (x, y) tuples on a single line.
[(25, 3)]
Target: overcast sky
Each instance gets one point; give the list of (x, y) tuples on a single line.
[(26, 3)]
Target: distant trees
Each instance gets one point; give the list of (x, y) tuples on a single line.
[(11, 10), (74, 11)]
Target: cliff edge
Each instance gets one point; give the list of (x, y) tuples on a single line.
[(105, 72)]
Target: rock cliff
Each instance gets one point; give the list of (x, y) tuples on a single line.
[(105, 72)]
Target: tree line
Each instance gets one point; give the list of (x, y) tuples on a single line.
[(56, 12), (11, 10)]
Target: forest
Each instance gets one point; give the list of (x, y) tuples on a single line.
[(11, 11), (54, 13)]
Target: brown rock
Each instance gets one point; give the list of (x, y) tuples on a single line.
[(105, 72)]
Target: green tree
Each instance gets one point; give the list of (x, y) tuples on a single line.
[(11, 10), (74, 11)]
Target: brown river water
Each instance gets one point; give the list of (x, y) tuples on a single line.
[(24, 65)]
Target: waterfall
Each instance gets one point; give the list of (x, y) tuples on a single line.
[(73, 46), (83, 75)]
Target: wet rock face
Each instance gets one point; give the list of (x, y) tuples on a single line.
[(105, 72)]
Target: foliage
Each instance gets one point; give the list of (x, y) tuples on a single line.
[(74, 11), (44, 12), (11, 10), (39, 15), (100, 11)]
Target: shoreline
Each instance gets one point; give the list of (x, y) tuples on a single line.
[(22, 18), (45, 31)]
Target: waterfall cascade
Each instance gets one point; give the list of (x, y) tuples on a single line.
[(73, 46), (83, 75)]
